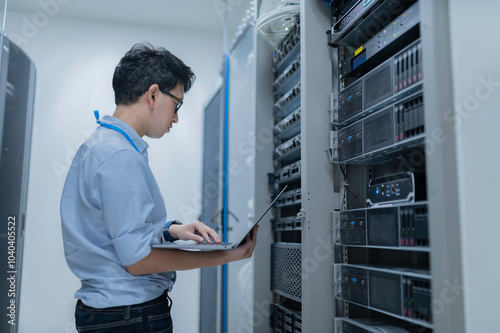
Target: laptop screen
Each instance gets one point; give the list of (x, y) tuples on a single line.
[(263, 214)]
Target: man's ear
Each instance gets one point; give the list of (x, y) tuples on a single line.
[(151, 93)]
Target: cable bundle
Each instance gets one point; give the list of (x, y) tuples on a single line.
[(276, 17)]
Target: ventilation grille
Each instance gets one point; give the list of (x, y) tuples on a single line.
[(385, 292), (378, 87), (286, 277), (379, 131), (383, 227)]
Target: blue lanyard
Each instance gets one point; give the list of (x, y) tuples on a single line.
[(122, 132)]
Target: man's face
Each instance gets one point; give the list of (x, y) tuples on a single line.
[(164, 114)]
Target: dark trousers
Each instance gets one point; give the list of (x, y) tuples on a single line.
[(148, 317)]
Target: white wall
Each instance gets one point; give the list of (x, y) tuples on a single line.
[(75, 60), (474, 27)]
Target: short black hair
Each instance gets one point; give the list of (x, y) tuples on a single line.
[(145, 65)]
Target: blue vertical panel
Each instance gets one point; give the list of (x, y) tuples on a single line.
[(225, 211)]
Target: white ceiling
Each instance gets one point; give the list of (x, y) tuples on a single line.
[(186, 14)]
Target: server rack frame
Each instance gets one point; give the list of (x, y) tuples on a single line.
[(318, 312)]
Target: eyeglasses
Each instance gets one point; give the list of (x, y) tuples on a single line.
[(179, 104)]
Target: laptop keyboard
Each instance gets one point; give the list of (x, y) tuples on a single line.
[(219, 244)]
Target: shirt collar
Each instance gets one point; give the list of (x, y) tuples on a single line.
[(139, 142)]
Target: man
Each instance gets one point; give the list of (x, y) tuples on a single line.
[(112, 210)]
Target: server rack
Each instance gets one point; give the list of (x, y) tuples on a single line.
[(300, 252), (17, 89), (286, 251), (378, 134), (333, 185)]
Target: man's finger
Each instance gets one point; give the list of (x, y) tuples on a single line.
[(214, 235), (253, 233), (205, 235)]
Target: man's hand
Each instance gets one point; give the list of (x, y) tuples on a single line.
[(166, 260), (245, 249), (196, 231)]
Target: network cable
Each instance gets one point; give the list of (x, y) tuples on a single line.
[(276, 17)]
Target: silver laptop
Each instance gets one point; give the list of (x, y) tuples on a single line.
[(192, 245)]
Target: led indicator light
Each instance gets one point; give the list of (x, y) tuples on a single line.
[(358, 51), (352, 222), (349, 138), (353, 279), (350, 96)]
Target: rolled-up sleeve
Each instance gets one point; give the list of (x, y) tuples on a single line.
[(122, 188)]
